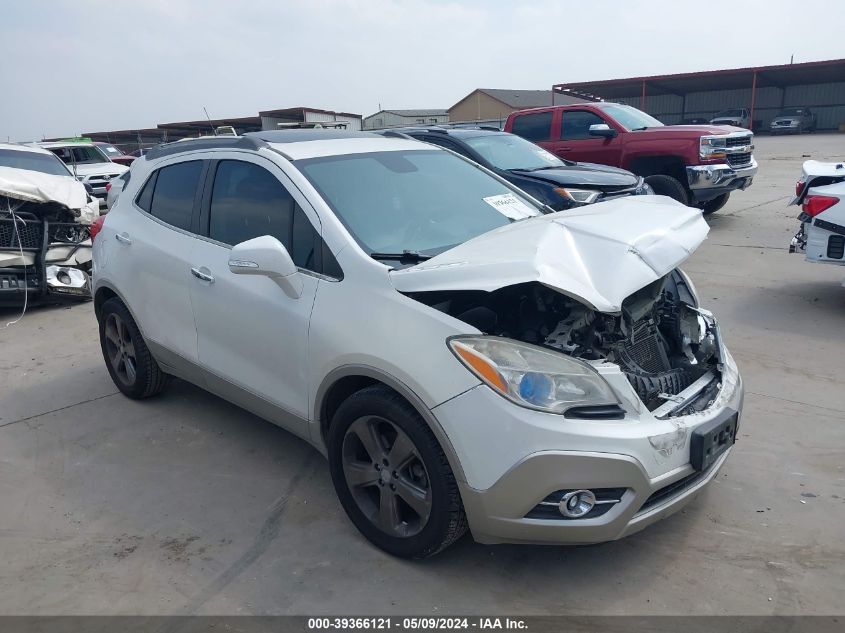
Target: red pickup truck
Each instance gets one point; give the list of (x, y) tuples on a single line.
[(698, 165)]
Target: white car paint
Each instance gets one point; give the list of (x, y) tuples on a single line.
[(96, 175), (821, 237), (245, 338), (598, 256)]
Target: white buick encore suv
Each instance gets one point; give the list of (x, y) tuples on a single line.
[(464, 357)]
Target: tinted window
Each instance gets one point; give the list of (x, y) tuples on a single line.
[(248, 201), (175, 190), (534, 127), (576, 124), (145, 198)]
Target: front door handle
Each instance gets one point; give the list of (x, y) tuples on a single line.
[(123, 238), (199, 274)]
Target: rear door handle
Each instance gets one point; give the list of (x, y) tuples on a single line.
[(199, 274), (123, 238)]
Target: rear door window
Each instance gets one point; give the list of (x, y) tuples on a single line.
[(534, 127), (175, 189)]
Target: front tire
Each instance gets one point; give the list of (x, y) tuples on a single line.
[(392, 477), (129, 361), (667, 186), (711, 206)]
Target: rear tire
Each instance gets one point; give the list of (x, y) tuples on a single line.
[(129, 361), (667, 186), (382, 453), (711, 206)]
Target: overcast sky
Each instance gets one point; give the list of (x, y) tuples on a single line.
[(94, 65)]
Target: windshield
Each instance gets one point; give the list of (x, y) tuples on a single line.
[(422, 201), (729, 113), (508, 151), (791, 112), (110, 150), (79, 154), (630, 118), (33, 161)]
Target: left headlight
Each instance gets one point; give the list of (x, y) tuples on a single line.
[(581, 196), (531, 376)]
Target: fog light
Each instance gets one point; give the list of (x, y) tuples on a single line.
[(577, 503)]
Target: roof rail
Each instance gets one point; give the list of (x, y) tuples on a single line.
[(392, 134), (205, 142)]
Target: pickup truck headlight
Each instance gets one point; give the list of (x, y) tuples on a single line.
[(531, 376), (712, 147), (581, 196)]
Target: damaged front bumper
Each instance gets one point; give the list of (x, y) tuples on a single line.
[(639, 468)]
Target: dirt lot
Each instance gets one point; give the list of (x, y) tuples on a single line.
[(185, 504)]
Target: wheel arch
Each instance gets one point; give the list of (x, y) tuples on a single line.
[(670, 165), (106, 291), (346, 380)]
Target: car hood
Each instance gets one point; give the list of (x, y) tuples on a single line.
[(599, 255), (583, 174), (687, 131), (99, 169), (33, 186)]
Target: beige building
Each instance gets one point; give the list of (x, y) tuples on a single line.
[(493, 104)]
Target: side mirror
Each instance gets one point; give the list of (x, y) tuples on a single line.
[(602, 129), (268, 257)]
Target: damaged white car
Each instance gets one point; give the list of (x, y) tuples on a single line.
[(821, 194), (464, 357), (45, 218)]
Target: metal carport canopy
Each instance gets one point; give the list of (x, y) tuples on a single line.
[(781, 76)]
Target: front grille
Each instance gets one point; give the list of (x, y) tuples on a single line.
[(29, 232), (836, 247), (737, 141), (738, 160)]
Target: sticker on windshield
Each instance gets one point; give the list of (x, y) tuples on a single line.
[(510, 206)]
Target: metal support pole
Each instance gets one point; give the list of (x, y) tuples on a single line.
[(642, 98), (753, 96)]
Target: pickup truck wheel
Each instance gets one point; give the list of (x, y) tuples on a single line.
[(391, 475), (128, 359), (667, 186), (711, 206)]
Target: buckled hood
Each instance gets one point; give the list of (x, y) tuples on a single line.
[(598, 255)]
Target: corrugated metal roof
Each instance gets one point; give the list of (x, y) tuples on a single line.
[(782, 75)]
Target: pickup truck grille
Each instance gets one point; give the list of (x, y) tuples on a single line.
[(738, 141), (739, 160), (29, 232)]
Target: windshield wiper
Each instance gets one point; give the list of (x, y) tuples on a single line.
[(404, 256)]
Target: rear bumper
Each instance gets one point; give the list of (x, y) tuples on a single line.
[(706, 180)]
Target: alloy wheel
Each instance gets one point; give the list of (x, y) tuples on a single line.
[(120, 349), (386, 476)]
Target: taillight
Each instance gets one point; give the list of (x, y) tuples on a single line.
[(799, 186), (95, 227), (813, 205)]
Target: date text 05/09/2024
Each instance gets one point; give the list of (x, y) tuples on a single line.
[(415, 624)]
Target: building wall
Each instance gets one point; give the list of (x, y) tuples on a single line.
[(478, 105), (827, 101), (385, 119), (353, 123)]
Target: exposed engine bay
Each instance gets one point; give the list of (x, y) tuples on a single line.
[(661, 342)]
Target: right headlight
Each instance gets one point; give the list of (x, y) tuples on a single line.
[(712, 147), (531, 376)]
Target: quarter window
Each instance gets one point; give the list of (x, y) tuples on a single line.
[(576, 124), (534, 127), (175, 188)]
